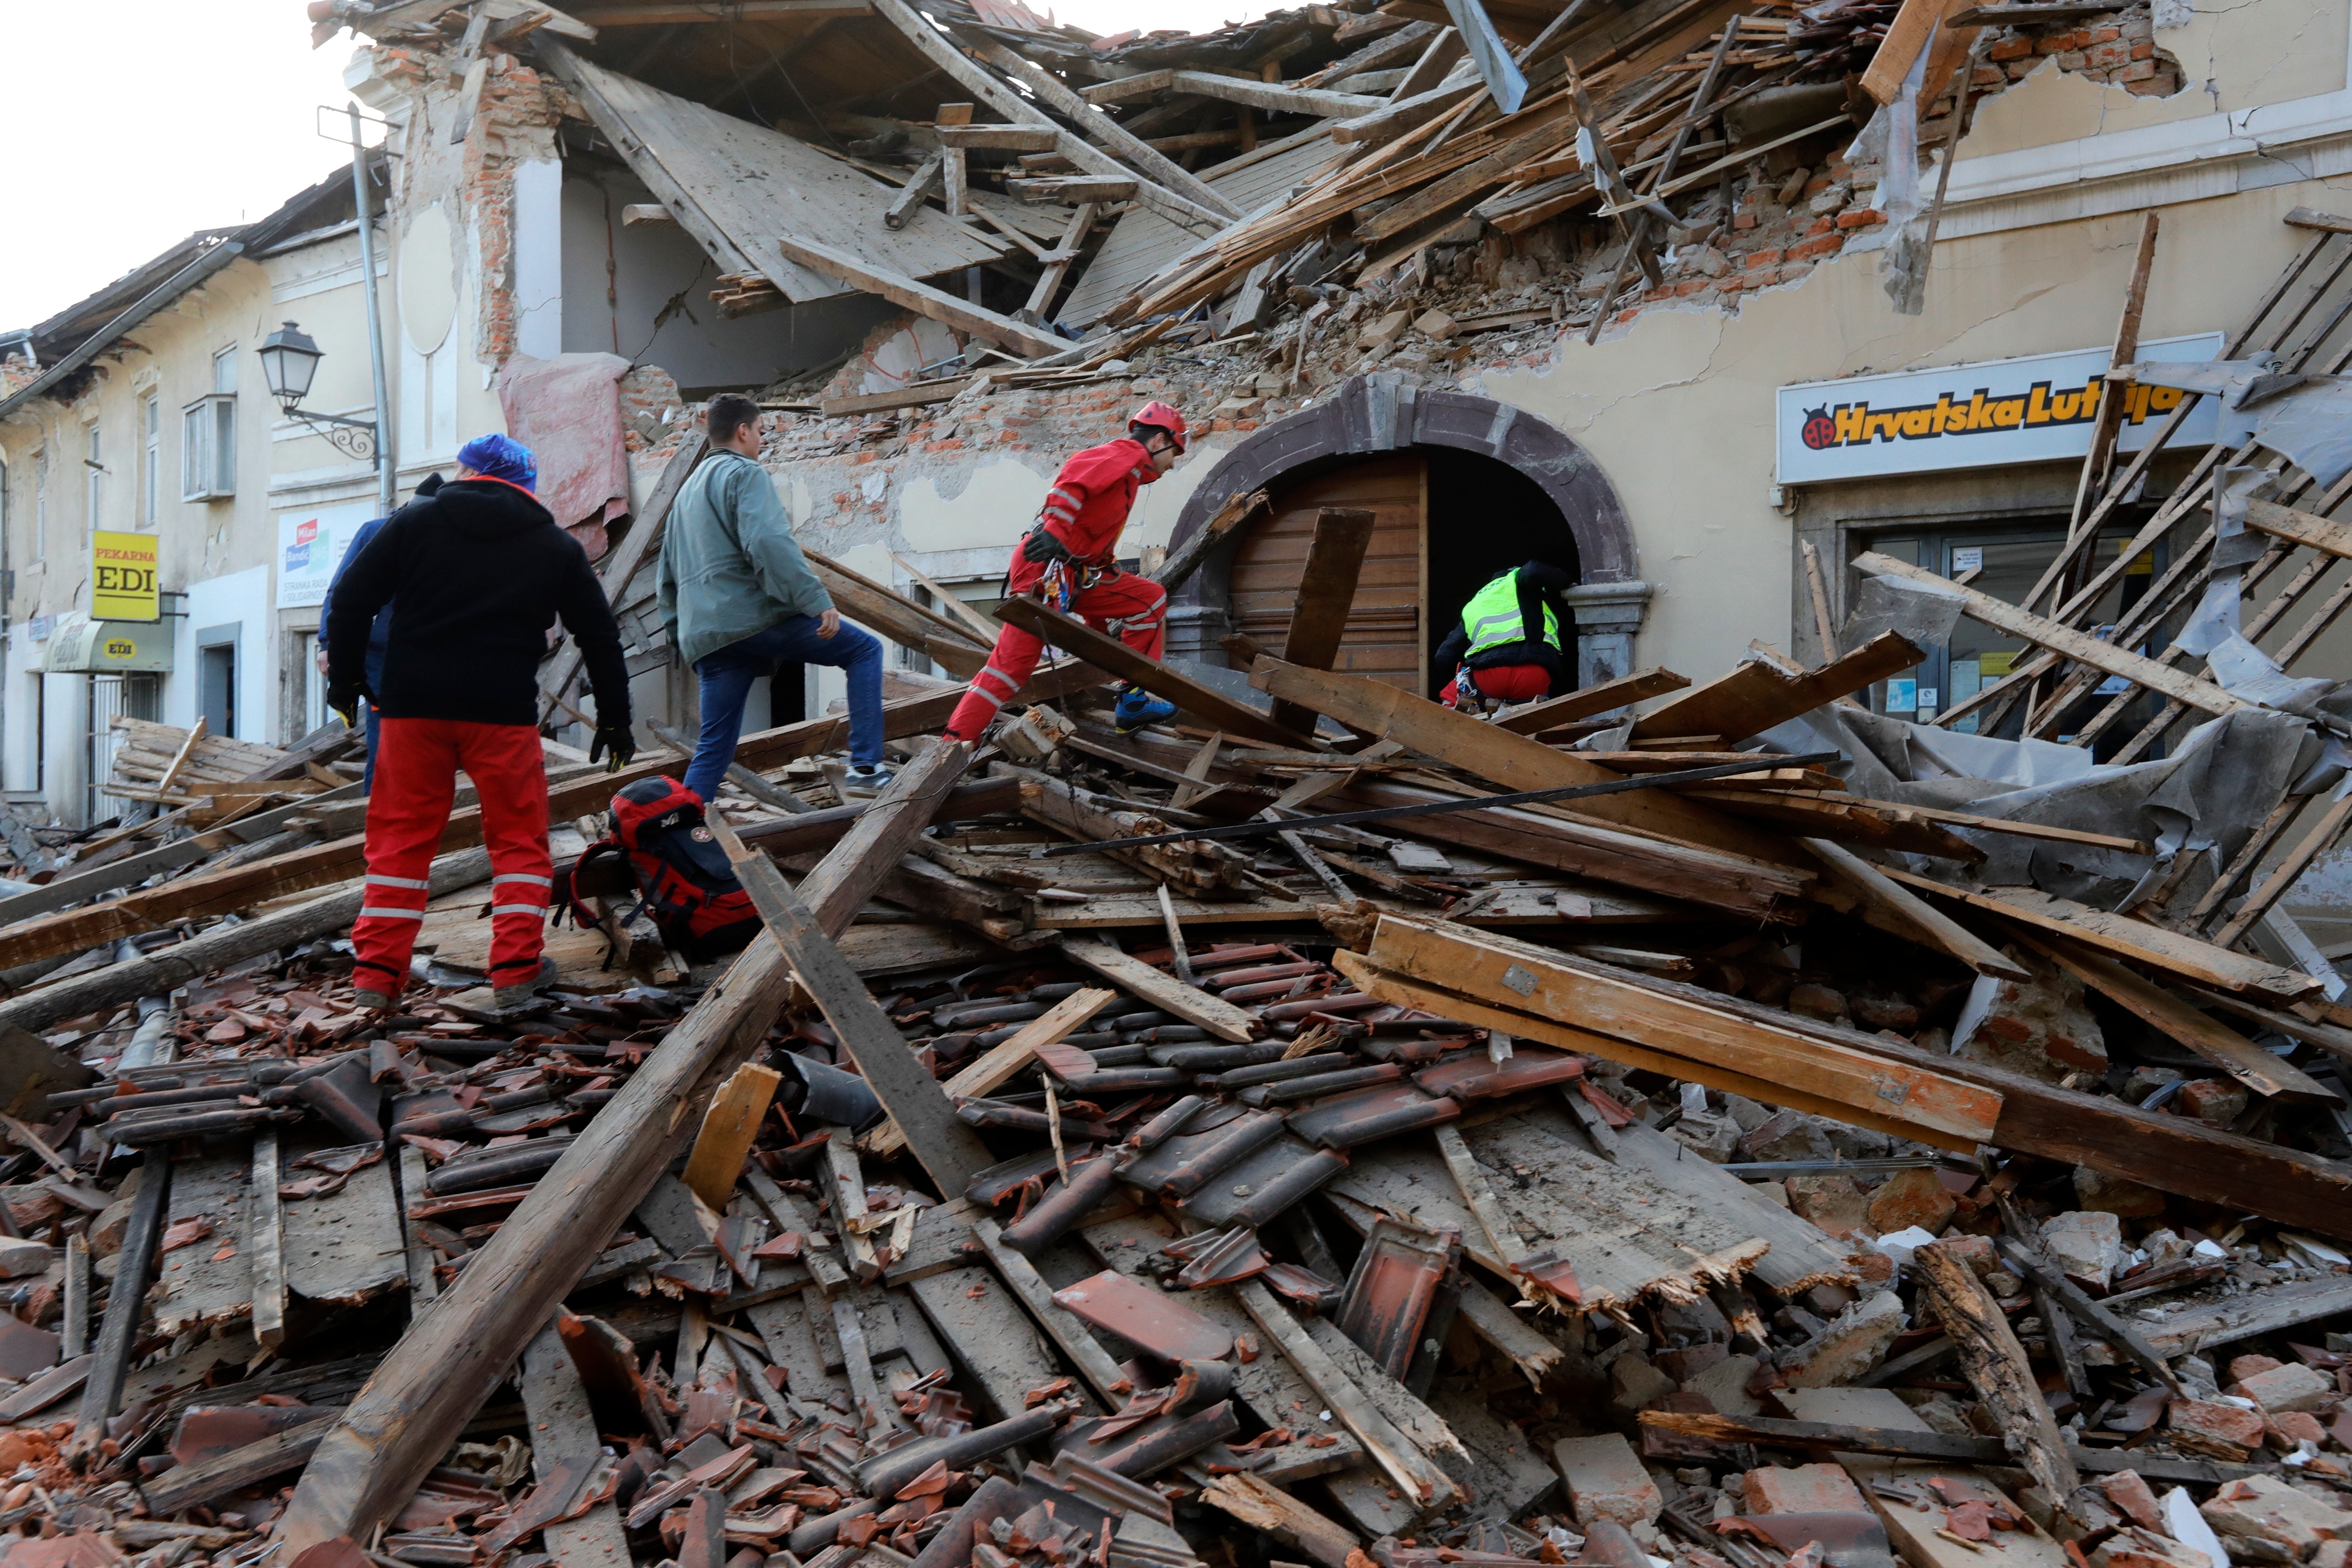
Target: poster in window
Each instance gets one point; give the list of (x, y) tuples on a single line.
[(310, 546)]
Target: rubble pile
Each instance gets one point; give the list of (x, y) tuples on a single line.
[(1665, 1172)]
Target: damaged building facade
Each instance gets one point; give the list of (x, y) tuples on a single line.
[(1760, 414), (1793, 1101)]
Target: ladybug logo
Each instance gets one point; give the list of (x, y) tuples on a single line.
[(1819, 430)]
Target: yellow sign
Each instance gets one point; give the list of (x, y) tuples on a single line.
[(122, 585)]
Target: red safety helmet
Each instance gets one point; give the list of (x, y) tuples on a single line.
[(1159, 416)]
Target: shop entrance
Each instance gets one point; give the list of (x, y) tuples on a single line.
[(1461, 487), (1445, 522)]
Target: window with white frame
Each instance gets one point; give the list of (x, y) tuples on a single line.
[(208, 448), (225, 370), (93, 476), (151, 458), (40, 501)]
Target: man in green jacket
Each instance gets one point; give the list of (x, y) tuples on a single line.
[(738, 599)]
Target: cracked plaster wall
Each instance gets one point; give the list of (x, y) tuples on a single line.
[(2234, 55), (1678, 410)]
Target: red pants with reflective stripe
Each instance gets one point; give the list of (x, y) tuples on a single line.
[(415, 781), (1507, 683), (1132, 608)]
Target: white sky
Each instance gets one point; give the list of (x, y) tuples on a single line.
[(214, 124)]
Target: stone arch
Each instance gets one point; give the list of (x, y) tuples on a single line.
[(1380, 413)]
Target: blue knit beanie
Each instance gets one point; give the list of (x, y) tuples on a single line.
[(501, 458)]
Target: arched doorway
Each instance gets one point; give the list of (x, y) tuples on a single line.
[(1461, 487)]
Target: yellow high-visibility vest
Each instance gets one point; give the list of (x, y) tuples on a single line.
[(1492, 617)]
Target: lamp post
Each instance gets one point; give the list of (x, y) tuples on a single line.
[(290, 359)]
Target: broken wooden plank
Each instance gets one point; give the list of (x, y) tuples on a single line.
[(1113, 137), (437, 1375), (1327, 593), (1996, 1367), (563, 1432), (1138, 979), (265, 1241), (1756, 697), (1186, 558), (990, 1071), (999, 96), (1534, 717), (126, 1301), (1923, 1444), (2323, 535), (2139, 940), (1914, 915), (920, 297), (346, 1247), (1609, 1002), (2043, 632), (728, 1129), (1630, 856), (1075, 1340), (188, 1485), (2175, 1153), (2161, 1010), (2237, 1317), (1213, 707), (1514, 761), (993, 1340), (948, 1151), (1276, 1515), (1412, 1469)]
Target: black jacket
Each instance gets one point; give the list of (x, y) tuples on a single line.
[(1539, 581), (481, 573)]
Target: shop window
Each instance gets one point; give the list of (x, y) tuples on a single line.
[(2006, 564)]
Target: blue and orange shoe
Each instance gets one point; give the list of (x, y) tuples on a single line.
[(1137, 707)]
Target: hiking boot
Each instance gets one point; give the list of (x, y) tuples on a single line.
[(865, 781), (369, 1000), (1138, 708), (522, 990)]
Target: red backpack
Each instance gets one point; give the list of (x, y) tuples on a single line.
[(681, 874)]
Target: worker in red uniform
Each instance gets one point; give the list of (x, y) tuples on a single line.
[(1068, 560)]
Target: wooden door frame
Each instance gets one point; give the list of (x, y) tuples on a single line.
[(1370, 414), (1381, 413)]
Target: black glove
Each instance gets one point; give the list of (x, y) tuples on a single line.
[(1042, 547), (616, 739), (343, 700)]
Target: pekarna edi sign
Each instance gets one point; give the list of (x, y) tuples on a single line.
[(122, 585), (2037, 409)]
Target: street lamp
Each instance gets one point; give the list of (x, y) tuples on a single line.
[(290, 359)]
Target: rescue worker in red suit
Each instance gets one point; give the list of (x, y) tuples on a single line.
[(481, 572), (1068, 560)]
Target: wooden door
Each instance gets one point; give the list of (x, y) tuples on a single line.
[(1386, 636)]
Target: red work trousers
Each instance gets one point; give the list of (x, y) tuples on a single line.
[(415, 781), (1507, 683), (1133, 609)]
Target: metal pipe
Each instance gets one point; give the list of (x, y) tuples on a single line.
[(383, 463)]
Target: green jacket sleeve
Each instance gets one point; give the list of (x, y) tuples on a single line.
[(764, 534)]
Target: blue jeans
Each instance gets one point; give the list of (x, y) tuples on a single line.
[(727, 678)]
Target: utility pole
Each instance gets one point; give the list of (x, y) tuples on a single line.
[(383, 458)]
